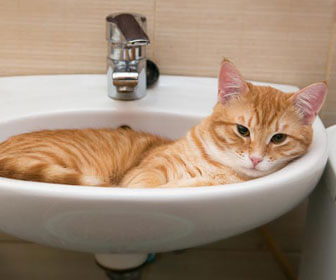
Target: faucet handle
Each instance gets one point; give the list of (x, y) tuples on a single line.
[(127, 30)]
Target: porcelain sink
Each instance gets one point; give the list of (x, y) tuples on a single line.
[(116, 220)]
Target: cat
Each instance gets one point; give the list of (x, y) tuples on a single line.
[(252, 131)]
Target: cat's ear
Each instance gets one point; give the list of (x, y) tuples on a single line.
[(309, 100), (230, 83)]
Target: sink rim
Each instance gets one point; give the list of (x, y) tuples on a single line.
[(283, 176)]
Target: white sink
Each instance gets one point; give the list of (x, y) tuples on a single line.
[(116, 220)]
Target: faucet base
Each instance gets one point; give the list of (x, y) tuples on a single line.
[(123, 89)]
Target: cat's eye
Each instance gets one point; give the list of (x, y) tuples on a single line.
[(278, 138), (243, 131)]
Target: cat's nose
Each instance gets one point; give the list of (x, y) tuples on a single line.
[(256, 160)]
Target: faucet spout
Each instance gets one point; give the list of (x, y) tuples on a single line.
[(126, 60), (131, 31), (125, 82)]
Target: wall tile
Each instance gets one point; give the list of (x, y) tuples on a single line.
[(30, 261), (4, 237), (59, 36), (329, 117), (196, 265), (329, 109), (277, 41)]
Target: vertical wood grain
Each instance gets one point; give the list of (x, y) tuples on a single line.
[(59, 36), (279, 41), (328, 114)]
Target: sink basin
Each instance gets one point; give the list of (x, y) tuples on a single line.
[(117, 220)]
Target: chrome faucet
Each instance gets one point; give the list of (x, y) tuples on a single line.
[(126, 58)]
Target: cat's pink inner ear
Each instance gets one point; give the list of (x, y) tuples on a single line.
[(230, 82), (309, 100)]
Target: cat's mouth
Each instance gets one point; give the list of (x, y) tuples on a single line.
[(252, 172), (253, 168)]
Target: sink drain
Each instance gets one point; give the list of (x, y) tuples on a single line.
[(124, 126)]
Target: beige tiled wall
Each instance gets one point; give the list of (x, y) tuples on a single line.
[(59, 36), (329, 112), (28, 261), (281, 41)]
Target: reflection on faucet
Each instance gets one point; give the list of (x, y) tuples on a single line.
[(126, 59)]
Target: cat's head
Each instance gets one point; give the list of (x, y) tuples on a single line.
[(256, 129)]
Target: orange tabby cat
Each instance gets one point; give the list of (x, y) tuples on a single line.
[(253, 131)]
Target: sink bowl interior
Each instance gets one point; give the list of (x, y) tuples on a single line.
[(168, 125)]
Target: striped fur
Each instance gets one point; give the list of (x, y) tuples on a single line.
[(78, 157), (211, 153)]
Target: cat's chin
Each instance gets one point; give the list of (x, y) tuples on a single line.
[(252, 172)]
